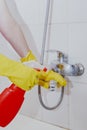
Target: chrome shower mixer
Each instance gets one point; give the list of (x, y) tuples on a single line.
[(62, 66)]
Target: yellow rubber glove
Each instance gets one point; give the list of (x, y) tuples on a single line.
[(27, 77), (21, 75), (46, 77), (30, 61), (28, 57)]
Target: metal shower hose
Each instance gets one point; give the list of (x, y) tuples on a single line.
[(42, 59)]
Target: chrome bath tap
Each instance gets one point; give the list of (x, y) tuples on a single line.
[(62, 66)]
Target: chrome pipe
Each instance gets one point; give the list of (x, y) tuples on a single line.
[(42, 58), (45, 31)]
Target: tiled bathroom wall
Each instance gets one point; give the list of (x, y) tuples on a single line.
[(34, 16), (68, 29), (67, 33), (77, 53)]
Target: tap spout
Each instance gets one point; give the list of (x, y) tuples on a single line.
[(68, 69)]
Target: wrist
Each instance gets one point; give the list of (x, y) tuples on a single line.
[(28, 57)]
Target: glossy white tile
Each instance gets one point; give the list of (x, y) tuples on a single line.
[(59, 14), (78, 107), (22, 122), (77, 10)]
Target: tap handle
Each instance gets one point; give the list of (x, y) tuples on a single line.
[(61, 57)]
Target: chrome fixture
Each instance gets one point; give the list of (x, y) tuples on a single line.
[(48, 9), (62, 66)]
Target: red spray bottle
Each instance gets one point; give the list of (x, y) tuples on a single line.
[(11, 100)]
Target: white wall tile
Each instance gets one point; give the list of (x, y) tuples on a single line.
[(22, 122), (77, 10), (78, 40), (78, 47), (37, 33), (58, 37), (59, 11), (78, 107), (58, 116), (33, 108)]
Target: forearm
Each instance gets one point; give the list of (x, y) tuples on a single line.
[(12, 31), (15, 37)]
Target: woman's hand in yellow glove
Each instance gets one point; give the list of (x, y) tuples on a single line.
[(27, 77), (19, 74), (46, 77)]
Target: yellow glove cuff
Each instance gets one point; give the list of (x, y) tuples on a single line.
[(28, 57)]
